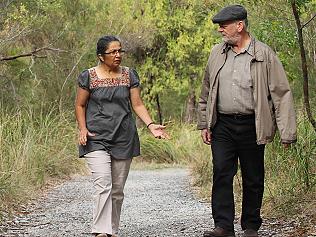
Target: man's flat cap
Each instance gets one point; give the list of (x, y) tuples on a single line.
[(230, 13)]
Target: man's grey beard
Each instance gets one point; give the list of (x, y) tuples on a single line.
[(231, 41)]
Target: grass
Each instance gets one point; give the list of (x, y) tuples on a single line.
[(34, 148), (37, 146), (184, 147), (291, 173), (290, 186)]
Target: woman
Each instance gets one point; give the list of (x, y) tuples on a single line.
[(108, 138)]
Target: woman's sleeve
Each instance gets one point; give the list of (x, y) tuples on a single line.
[(84, 80), (134, 78)]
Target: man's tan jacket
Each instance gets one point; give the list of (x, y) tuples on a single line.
[(273, 98)]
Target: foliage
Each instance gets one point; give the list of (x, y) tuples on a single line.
[(168, 43), (180, 49)]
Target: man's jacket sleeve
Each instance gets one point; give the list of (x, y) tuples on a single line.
[(202, 104), (282, 100)]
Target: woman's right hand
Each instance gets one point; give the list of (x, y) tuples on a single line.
[(83, 136)]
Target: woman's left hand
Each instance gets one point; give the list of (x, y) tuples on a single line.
[(158, 131)]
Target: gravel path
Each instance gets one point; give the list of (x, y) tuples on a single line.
[(157, 203)]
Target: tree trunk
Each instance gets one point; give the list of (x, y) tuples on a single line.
[(190, 111), (305, 85), (159, 113), (304, 64), (154, 98)]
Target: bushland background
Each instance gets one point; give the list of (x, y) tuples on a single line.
[(45, 44)]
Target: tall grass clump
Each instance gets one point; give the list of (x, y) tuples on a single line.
[(34, 146), (291, 173), (184, 147)]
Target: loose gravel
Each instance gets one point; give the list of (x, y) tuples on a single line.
[(157, 203)]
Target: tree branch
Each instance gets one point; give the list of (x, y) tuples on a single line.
[(62, 88), (308, 22), (29, 54), (5, 5)]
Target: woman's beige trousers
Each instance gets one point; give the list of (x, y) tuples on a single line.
[(109, 177)]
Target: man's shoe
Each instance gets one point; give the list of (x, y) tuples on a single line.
[(250, 233), (219, 232)]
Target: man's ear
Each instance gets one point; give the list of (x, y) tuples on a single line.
[(240, 26)]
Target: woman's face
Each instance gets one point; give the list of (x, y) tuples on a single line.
[(112, 56)]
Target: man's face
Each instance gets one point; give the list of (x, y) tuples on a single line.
[(230, 31)]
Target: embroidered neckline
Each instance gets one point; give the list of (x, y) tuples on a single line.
[(121, 80)]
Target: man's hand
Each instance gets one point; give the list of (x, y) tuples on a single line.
[(206, 136)]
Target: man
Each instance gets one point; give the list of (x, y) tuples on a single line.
[(245, 96)]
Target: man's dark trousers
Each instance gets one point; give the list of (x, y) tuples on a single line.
[(233, 138)]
